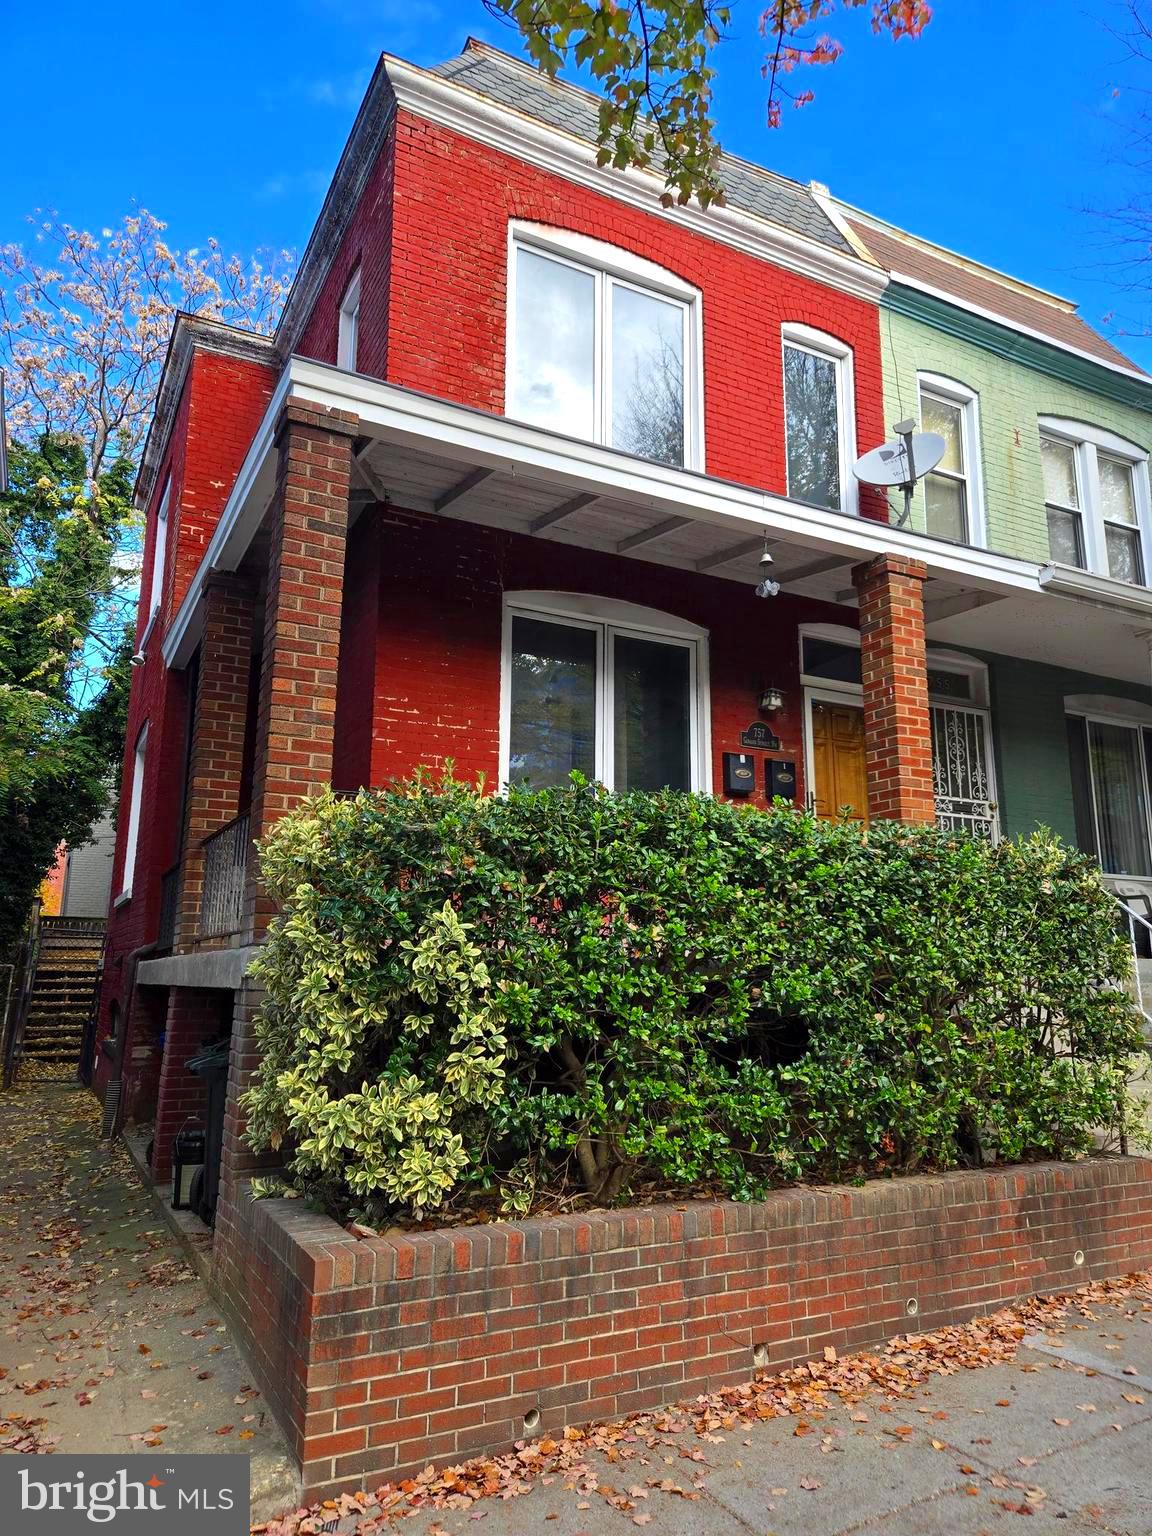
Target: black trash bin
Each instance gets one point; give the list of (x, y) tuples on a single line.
[(211, 1064)]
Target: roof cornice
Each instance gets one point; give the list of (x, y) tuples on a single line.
[(1016, 343), (457, 107), (190, 334)]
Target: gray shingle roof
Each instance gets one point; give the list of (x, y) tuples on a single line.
[(572, 110)]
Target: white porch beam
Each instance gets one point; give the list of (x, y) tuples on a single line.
[(650, 535), (558, 514), (732, 552), (461, 488)]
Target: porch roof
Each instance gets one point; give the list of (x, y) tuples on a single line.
[(427, 454)]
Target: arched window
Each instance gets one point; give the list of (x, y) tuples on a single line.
[(603, 345), (610, 689), (819, 418)]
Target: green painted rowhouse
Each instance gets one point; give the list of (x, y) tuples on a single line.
[(1004, 365)]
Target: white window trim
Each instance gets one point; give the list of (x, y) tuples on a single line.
[(602, 260), (348, 332), (609, 616), (955, 393), (1088, 442), (159, 563), (1129, 715), (135, 805), (822, 344)]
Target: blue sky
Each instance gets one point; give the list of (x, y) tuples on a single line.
[(994, 133)]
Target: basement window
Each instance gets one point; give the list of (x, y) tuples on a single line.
[(607, 689), (603, 345)]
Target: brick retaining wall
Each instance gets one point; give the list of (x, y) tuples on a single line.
[(379, 1356)]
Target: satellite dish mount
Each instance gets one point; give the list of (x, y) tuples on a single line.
[(901, 463)]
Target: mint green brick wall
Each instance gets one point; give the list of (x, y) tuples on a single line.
[(1030, 740), (1012, 397)]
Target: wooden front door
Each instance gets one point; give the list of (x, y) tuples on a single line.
[(838, 769)]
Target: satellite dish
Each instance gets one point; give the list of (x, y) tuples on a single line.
[(901, 462)]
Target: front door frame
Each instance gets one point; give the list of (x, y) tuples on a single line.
[(833, 692)]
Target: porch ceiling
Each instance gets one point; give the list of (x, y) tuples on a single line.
[(430, 455)]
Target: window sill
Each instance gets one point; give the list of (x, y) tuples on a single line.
[(123, 899)]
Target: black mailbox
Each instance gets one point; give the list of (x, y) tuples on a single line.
[(739, 773), (779, 779)]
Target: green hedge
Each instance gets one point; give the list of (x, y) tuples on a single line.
[(575, 993)]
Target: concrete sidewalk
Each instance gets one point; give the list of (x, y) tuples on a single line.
[(108, 1340)]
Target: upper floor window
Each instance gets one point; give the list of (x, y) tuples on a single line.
[(349, 331), (819, 428), (952, 491), (1096, 499), (603, 345), (135, 805), (159, 555), (609, 689)]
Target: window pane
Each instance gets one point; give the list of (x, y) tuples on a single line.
[(553, 702), (647, 375), (1059, 460), (553, 380), (1116, 498), (812, 427), (947, 502), (1117, 777), (946, 418), (829, 659), (1065, 544), (651, 715), (1124, 554)]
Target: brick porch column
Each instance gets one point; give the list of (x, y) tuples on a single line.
[(297, 709), (216, 753), (897, 725), (308, 534)]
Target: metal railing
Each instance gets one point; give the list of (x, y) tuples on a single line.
[(169, 901), (225, 866), (1139, 931)]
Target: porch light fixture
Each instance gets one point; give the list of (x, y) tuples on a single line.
[(771, 699)]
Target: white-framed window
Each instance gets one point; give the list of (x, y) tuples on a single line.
[(349, 328), (1096, 500), (603, 345), (610, 689), (953, 491), (135, 802), (819, 418), (159, 557), (1111, 763)]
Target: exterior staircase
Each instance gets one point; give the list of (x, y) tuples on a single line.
[(60, 995)]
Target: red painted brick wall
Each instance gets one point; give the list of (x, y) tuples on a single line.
[(438, 636), (449, 260), (223, 401), (367, 245), (380, 1356)]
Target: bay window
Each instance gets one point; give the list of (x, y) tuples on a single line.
[(1096, 500), (819, 430), (607, 689), (602, 345)]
